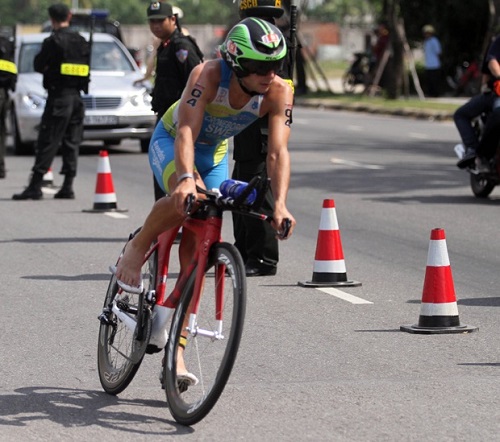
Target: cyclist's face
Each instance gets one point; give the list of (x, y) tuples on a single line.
[(259, 82)]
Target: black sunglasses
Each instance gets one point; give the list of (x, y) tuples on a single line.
[(261, 67)]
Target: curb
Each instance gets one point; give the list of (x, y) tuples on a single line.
[(420, 114)]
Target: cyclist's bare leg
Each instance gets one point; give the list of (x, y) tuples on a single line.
[(162, 217)]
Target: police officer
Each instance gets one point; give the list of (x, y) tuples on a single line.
[(8, 76), (176, 56), (64, 62), (256, 240)]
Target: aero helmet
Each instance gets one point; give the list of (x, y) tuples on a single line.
[(261, 8), (254, 46)]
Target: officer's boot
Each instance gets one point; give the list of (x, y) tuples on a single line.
[(66, 191), (34, 189)]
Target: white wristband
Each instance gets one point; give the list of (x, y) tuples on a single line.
[(184, 176)]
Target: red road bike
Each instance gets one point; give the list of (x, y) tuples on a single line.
[(205, 309)]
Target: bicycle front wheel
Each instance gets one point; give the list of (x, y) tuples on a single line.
[(212, 341), (124, 331)]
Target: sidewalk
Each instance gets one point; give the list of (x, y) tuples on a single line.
[(401, 111)]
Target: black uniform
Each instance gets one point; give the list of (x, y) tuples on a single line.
[(62, 119), (8, 75), (255, 240), (175, 59)]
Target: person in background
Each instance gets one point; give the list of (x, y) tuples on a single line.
[(8, 76), (64, 62), (176, 56), (432, 64), (478, 153), (256, 241)]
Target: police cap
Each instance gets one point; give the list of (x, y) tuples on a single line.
[(159, 10)]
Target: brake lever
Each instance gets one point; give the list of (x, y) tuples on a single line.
[(189, 203)]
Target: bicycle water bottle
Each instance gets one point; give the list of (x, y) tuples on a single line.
[(234, 188)]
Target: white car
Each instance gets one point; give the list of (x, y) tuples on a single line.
[(114, 107)]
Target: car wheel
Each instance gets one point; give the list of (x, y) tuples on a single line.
[(145, 145), (112, 142), (20, 147)]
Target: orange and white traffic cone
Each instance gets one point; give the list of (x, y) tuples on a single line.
[(48, 179), (329, 268), (105, 196), (438, 312)]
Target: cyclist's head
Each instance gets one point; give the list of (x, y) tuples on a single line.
[(260, 8), (254, 46)]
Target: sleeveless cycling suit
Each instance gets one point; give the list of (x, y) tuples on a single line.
[(220, 122)]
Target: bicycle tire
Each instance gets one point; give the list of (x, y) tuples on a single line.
[(119, 352), (210, 360)]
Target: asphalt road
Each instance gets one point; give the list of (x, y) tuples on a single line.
[(312, 366)]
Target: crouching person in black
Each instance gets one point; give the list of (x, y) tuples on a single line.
[(64, 63)]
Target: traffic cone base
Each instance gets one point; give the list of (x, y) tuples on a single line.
[(438, 311), (105, 197), (48, 179), (437, 330), (329, 268)]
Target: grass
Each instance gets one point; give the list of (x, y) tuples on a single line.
[(335, 69)]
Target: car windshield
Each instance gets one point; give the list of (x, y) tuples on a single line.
[(106, 56)]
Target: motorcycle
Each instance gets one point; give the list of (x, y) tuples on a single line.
[(357, 73), (466, 80), (481, 183)]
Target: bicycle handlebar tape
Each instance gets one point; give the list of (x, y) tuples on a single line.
[(438, 312), (105, 196), (329, 268)]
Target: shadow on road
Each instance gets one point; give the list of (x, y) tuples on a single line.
[(81, 408)]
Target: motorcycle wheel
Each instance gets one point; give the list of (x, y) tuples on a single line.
[(348, 83), (480, 185)]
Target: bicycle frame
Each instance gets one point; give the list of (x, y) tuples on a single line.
[(207, 230)]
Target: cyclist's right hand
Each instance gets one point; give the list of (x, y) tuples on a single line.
[(180, 194)]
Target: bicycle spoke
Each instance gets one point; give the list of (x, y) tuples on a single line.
[(209, 353)]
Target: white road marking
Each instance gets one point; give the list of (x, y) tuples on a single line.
[(355, 164), (116, 215), (343, 295), (355, 128)]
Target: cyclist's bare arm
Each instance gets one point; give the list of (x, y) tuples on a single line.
[(278, 105), (200, 90)]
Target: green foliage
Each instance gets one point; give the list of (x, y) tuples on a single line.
[(341, 11), (461, 26), (124, 11)]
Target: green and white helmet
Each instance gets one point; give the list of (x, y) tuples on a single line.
[(254, 46)]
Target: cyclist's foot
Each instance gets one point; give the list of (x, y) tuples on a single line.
[(128, 268), (184, 378), (127, 288)]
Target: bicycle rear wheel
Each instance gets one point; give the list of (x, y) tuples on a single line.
[(209, 358), (120, 347)]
